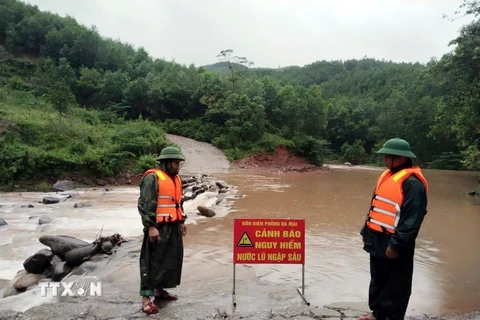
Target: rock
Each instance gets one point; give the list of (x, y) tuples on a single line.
[(198, 191), (206, 212), (44, 220), (107, 246), (3, 222), (60, 245), (49, 270), (82, 204), (9, 289), (61, 270), (50, 200), (76, 257), (38, 262), (348, 164), (221, 184), (64, 185), (213, 188), (30, 206), (26, 281), (222, 191), (188, 185)]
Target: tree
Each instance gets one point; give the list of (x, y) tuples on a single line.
[(238, 66), (60, 96)]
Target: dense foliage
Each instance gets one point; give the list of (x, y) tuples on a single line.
[(71, 99)]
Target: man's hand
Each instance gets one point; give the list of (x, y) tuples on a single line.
[(391, 253), (153, 234), (183, 227)]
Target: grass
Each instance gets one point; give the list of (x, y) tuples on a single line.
[(38, 141)]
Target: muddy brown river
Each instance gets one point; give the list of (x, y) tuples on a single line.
[(333, 204)]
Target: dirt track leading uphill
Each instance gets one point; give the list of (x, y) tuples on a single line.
[(200, 157)]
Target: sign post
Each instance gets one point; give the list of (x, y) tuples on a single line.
[(269, 241)]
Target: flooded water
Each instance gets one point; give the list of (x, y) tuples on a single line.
[(333, 204)]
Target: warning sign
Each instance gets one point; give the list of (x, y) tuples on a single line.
[(279, 241), (245, 241)]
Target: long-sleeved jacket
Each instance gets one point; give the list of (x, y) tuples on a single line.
[(414, 209)]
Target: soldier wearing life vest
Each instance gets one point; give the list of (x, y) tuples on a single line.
[(395, 215), (161, 208)]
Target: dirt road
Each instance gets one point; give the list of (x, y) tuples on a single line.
[(200, 157)]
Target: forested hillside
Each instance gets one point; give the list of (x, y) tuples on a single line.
[(74, 101)]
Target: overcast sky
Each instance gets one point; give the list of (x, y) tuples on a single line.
[(272, 33)]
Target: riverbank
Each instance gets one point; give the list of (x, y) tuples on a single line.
[(205, 292), (120, 299)]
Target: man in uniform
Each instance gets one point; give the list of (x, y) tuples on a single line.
[(396, 212), (160, 206)]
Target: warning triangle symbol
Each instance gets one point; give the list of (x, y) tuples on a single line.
[(245, 241)]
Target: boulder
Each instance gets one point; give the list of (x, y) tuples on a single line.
[(49, 270), (77, 256), (27, 280), (221, 184), (82, 204), (61, 270), (38, 262), (107, 246), (64, 185), (3, 222), (206, 212), (9, 289), (50, 200), (44, 220), (60, 245)]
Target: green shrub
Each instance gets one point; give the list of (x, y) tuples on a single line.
[(145, 162)]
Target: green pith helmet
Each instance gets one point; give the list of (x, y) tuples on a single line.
[(171, 153), (398, 147)]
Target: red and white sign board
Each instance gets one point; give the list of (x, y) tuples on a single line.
[(278, 241)]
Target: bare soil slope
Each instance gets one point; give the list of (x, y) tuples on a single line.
[(200, 157)]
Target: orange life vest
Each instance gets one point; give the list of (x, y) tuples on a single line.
[(169, 197), (387, 200)]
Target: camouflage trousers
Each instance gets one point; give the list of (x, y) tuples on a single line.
[(161, 262)]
